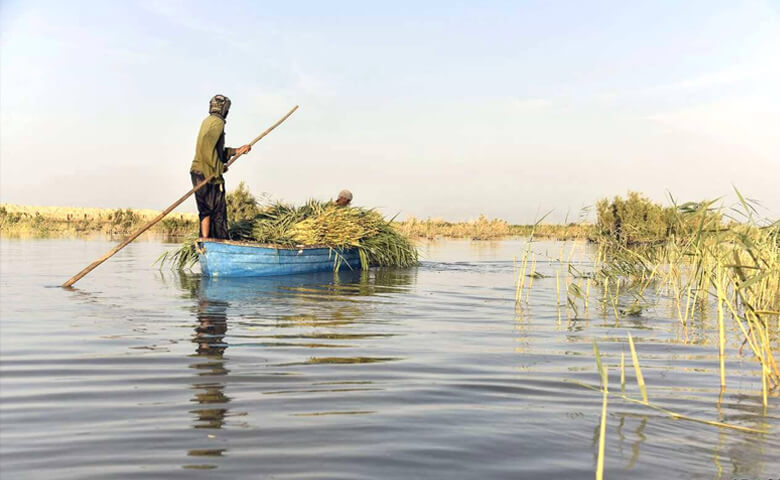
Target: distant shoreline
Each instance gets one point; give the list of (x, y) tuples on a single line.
[(42, 221), (63, 222)]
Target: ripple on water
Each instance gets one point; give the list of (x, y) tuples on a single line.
[(431, 372)]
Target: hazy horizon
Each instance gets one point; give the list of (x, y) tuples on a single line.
[(444, 110)]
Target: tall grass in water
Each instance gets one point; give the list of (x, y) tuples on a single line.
[(528, 256), (708, 254), (603, 373)]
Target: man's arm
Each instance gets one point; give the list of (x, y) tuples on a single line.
[(232, 152)]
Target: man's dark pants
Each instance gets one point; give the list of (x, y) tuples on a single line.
[(211, 203)]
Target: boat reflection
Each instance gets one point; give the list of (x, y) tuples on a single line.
[(322, 284), (319, 299)]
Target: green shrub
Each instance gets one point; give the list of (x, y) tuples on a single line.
[(241, 204), (637, 220)]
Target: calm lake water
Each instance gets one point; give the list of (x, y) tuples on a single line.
[(429, 372)]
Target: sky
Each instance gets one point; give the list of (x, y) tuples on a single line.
[(427, 109)]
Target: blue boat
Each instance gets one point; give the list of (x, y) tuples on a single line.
[(227, 258)]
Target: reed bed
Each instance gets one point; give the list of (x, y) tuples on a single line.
[(707, 260), (570, 231), (724, 259), (72, 221), (484, 228)]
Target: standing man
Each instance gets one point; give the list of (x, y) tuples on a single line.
[(211, 155)]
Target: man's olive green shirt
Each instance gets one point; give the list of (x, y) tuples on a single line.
[(210, 152)]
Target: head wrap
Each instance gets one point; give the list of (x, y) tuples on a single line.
[(219, 105)]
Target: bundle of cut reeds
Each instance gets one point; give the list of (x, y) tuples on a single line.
[(314, 224)]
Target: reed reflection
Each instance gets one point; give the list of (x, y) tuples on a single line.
[(638, 434)]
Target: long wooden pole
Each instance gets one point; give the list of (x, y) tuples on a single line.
[(165, 212)]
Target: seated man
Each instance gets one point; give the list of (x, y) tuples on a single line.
[(344, 198)]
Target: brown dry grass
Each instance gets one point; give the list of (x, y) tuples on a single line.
[(72, 221), (69, 221), (488, 229)]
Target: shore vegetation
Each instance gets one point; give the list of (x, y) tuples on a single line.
[(21, 220), (242, 207)]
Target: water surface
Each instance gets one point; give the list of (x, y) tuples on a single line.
[(431, 372)]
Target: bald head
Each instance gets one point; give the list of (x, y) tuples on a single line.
[(344, 198)]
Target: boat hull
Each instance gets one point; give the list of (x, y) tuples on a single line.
[(223, 258)]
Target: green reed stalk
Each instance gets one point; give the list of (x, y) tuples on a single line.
[(674, 415), (521, 279), (721, 346), (623, 372), (721, 332), (531, 280), (603, 424), (640, 379), (615, 300), (602, 435), (587, 292), (765, 370)]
